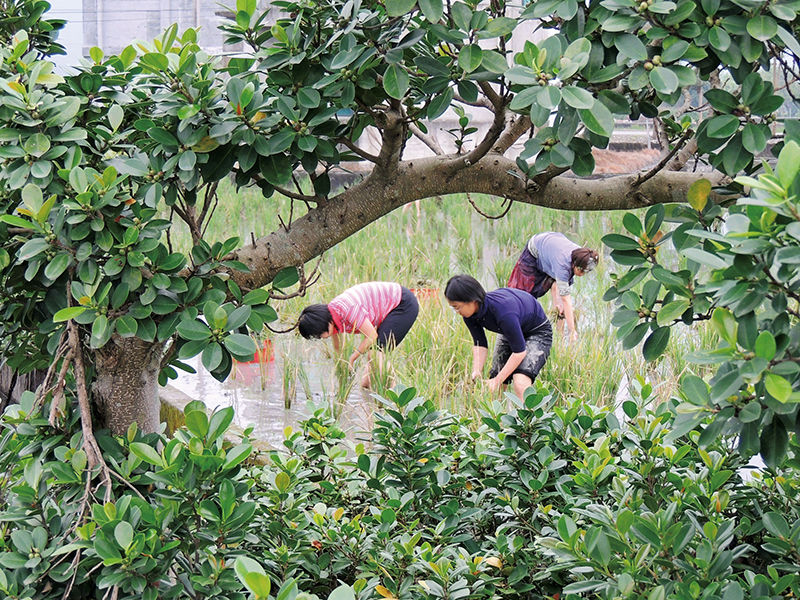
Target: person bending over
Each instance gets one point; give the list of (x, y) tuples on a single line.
[(382, 311), (550, 261), (525, 332)]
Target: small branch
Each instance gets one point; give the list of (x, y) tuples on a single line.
[(426, 138), (662, 163), (356, 150), (294, 196), (206, 210), (483, 214)]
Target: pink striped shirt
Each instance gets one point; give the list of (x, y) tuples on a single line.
[(373, 301)]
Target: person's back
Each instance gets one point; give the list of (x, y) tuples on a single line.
[(508, 303), (554, 252)]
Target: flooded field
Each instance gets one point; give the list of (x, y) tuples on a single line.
[(266, 396)]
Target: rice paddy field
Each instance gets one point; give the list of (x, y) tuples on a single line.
[(422, 250)]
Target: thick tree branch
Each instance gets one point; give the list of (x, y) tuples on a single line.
[(516, 127), (392, 128), (325, 226)]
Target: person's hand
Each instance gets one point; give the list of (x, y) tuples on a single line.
[(573, 336), (353, 358), (475, 375), (560, 306), (494, 384)]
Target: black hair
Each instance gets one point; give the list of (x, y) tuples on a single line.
[(314, 321), (463, 288)]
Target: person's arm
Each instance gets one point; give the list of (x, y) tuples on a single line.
[(370, 335), (569, 316), (479, 354), (511, 364), (557, 303)]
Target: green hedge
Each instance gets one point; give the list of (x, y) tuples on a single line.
[(542, 500)]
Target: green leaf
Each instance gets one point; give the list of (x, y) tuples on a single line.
[(763, 28), (788, 163), (258, 584), (398, 8), (721, 100), (469, 58), (664, 80), (65, 314), (656, 343), (395, 81), (123, 534), (193, 330), (616, 241), (285, 279), (276, 168), (212, 356), (196, 421), (776, 524), (308, 97), (57, 265), (240, 345), (722, 126), (126, 326), (753, 139), (147, 453), (704, 258), (719, 38), (765, 346), (432, 10), (671, 312), (778, 387), (631, 46), (236, 455), (36, 145), (577, 97), (774, 443), (343, 592), (549, 97), (598, 119), (675, 51)]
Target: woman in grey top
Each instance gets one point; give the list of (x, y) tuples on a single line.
[(550, 261)]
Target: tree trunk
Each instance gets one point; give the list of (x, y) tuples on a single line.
[(126, 385)]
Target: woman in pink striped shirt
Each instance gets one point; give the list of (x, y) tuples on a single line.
[(382, 311)]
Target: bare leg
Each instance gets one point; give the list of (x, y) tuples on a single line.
[(521, 383)]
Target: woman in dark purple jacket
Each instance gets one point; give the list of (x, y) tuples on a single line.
[(525, 332)]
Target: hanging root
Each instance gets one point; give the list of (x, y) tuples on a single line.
[(506, 206), (93, 454)]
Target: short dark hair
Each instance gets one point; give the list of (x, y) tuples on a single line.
[(314, 321), (464, 288), (584, 258)]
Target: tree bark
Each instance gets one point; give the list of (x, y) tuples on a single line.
[(379, 194), (126, 384)]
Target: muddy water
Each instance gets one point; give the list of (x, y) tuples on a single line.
[(256, 391)]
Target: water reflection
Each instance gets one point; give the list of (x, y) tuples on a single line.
[(256, 391)]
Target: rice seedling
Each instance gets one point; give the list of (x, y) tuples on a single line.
[(449, 237)]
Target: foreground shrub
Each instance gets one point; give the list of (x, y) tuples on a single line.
[(532, 502)]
